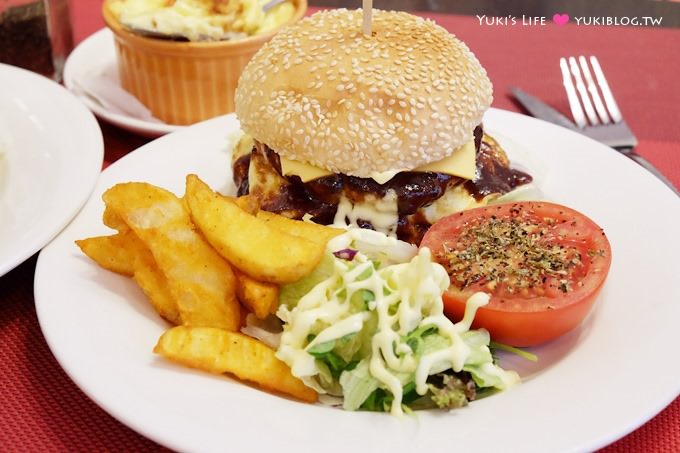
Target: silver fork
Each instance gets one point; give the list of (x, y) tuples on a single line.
[(600, 118)]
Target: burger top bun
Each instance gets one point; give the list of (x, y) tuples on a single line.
[(322, 93)]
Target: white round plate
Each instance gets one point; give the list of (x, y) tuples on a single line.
[(51, 152), (589, 388), (96, 57)]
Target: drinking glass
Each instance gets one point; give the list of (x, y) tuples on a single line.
[(36, 35)]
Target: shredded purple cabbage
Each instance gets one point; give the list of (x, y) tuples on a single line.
[(345, 254)]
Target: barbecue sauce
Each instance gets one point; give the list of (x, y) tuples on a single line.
[(320, 197)]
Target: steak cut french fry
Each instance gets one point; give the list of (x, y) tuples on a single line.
[(218, 351), (151, 280), (198, 278), (263, 252), (124, 253), (308, 230), (111, 252), (111, 219), (260, 297), (248, 203)]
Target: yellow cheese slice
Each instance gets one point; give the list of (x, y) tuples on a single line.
[(306, 172), (460, 163)]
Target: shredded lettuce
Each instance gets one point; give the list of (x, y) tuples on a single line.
[(291, 293), (357, 385), (372, 330)]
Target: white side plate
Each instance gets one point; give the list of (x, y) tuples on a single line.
[(95, 57), (589, 388), (51, 153)]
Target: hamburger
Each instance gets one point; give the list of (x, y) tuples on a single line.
[(382, 131)]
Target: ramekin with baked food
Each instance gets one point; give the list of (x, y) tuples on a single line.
[(182, 58)]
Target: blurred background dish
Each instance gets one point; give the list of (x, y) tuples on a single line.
[(92, 75), (202, 20), (183, 82), (51, 153)]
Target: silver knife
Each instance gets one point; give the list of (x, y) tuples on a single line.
[(617, 136), (541, 110)]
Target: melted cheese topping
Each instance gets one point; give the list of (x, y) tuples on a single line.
[(460, 163), (454, 200), (381, 212)]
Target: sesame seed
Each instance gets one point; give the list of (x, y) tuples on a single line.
[(413, 88)]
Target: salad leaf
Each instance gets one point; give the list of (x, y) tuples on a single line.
[(378, 401), (348, 346), (480, 362), (409, 393), (432, 343), (321, 349), (326, 379), (357, 385), (336, 363), (291, 293), (381, 400), (477, 341), (363, 391), (451, 392), (360, 299), (517, 351), (416, 338)]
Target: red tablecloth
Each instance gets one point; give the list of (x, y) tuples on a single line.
[(42, 410)]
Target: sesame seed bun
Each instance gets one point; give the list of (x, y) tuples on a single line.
[(322, 93)]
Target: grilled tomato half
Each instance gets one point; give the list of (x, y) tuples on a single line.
[(542, 263)]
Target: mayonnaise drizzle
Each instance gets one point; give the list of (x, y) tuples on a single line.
[(406, 296)]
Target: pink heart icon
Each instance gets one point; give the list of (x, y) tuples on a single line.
[(561, 19)]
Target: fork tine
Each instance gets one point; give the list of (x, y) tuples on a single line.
[(606, 92), (574, 105), (581, 88), (592, 89)]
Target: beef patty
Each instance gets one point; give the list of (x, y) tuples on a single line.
[(259, 173)]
